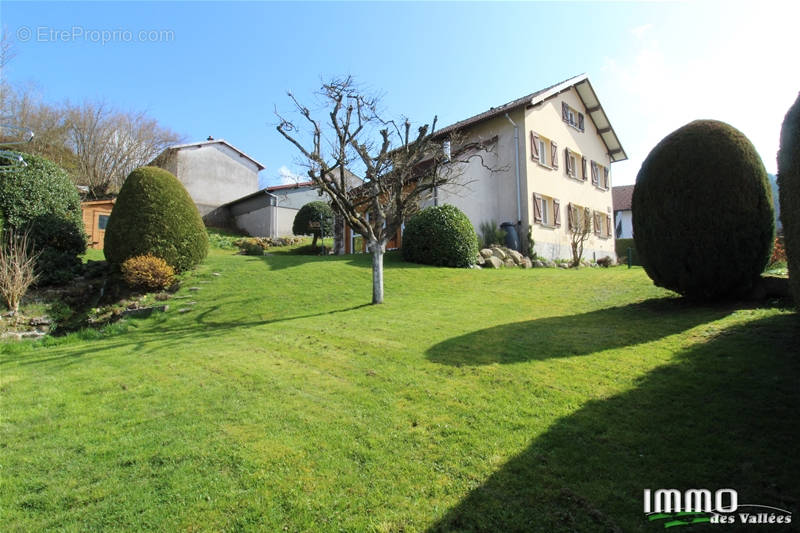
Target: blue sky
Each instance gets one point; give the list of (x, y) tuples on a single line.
[(223, 67)]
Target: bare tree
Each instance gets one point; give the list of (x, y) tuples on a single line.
[(110, 144), (17, 268), (401, 167), (580, 226)]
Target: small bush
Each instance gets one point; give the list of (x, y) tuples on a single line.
[(778, 252), (440, 236), (17, 268), (491, 234), (154, 215), (252, 247), (61, 240), (789, 185), (702, 212), (147, 272)]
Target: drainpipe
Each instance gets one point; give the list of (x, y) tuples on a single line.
[(516, 151)]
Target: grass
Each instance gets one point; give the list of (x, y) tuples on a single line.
[(508, 400)]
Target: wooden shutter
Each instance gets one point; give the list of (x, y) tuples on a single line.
[(564, 112), (570, 217), (556, 213), (534, 146), (537, 208), (554, 153), (608, 226), (594, 173), (566, 162), (580, 121), (597, 223), (605, 177), (583, 168)]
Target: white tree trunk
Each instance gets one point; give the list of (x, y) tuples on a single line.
[(377, 250)]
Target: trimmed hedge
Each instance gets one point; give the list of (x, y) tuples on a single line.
[(42, 199), (154, 215), (789, 186), (621, 247), (702, 212), (313, 212), (440, 236)]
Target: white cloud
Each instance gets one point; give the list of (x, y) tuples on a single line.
[(741, 76), (287, 177)]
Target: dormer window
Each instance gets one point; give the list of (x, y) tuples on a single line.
[(572, 117)]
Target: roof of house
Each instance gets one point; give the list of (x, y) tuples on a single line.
[(261, 192), (587, 95), (621, 197), (290, 186), (216, 141)]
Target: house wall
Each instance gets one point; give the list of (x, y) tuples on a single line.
[(546, 120), (284, 221), (213, 174), (484, 195), (297, 198), (91, 212), (624, 220)]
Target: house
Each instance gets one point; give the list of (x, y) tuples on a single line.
[(95, 217), (549, 154), (623, 216), (296, 195), (213, 171)]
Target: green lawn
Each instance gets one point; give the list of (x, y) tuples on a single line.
[(509, 400)]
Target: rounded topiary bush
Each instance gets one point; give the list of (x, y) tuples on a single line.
[(702, 212), (789, 186), (154, 215), (40, 198), (313, 212), (440, 236)]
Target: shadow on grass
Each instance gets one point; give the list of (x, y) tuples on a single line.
[(579, 334), (723, 415), (287, 259)]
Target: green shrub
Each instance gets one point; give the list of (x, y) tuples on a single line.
[(252, 247), (41, 198), (491, 234), (310, 213), (147, 272), (702, 212), (155, 215), (789, 186), (440, 236), (621, 246)]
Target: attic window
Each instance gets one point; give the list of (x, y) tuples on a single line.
[(572, 117)]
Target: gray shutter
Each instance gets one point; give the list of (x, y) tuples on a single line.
[(556, 213), (566, 162), (537, 208), (580, 121), (534, 146), (597, 222), (583, 168), (554, 150), (564, 112), (605, 177), (608, 225), (595, 178)]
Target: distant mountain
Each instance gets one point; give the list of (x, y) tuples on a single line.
[(773, 180)]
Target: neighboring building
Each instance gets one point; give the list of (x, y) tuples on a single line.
[(213, 171), (623, 216), (296, 195), (563, 144), (95, 218)]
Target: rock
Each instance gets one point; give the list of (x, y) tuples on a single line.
[(40, 321), (486, 253), (499, 253), (563, 265), (526, 263), (194, 288), (509, 262), (480, 260), (549, 264), (493, 262), (216, 274), (144, 311), (476, 267), (184, 309), (516, 256), (605, 261), (538, 263)]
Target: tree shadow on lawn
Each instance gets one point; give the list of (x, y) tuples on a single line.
[(723, 415), (283, 260), (579, 334)]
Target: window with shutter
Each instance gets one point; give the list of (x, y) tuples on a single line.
[(605, 177), (556, 213), (534, 147), (567, 162), (554, 154), (608, 226), (583, 168), (565, 111), (597, 223), (570, 217), (580, 121), (537, 208), (594, 173)]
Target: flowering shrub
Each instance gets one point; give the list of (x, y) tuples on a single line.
[(147, 272), (778, 252)]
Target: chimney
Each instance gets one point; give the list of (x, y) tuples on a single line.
[(210, 138)]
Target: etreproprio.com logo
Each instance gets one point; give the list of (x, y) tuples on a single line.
[(701, 506)]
